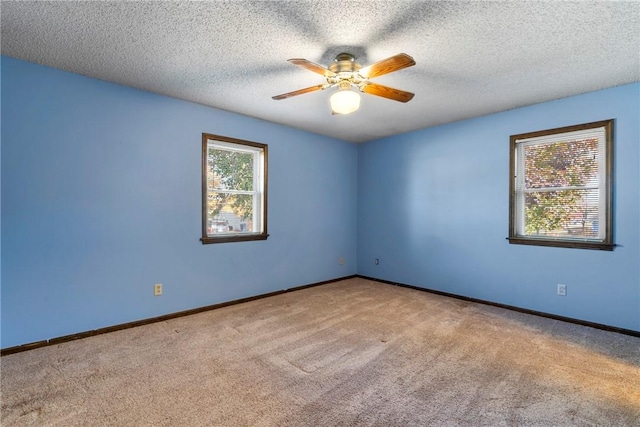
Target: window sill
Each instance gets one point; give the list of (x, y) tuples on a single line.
[(575, 244), (233, 238)]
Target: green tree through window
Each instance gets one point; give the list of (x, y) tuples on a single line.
[(567, 164), (229, 170)]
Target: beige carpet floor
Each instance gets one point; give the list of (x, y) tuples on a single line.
[(348, 353)]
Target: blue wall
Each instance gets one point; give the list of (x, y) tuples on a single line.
[(433, 207), (101, 198)]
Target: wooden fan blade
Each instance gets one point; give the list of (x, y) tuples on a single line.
[(395, 63), (387, 92), (311, 66), (300, 91)]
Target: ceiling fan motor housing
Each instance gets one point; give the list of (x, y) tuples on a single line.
[(346, 69)]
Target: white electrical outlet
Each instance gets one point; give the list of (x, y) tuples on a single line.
[(562, 289), (341, 260), (157, 289)]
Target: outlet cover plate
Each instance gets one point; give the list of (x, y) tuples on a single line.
[(562, 289)]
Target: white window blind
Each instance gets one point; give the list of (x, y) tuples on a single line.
[(560, 188)]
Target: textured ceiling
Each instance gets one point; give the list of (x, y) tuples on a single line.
[(473, 58)]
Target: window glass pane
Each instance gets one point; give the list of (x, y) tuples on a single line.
[(229, 213), (230, 170), (562, 164), (567, 214)]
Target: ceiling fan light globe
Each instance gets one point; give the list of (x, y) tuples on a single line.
[(344, 102)]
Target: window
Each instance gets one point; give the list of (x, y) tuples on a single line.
[(234, 190), (560, 187)]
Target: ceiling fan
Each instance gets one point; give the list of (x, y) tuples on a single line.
[(345, 73)]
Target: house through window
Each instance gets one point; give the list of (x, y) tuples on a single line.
[(234, 190), (560, 190)]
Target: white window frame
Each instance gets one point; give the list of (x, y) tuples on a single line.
[(259, 192), (603, 132)]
